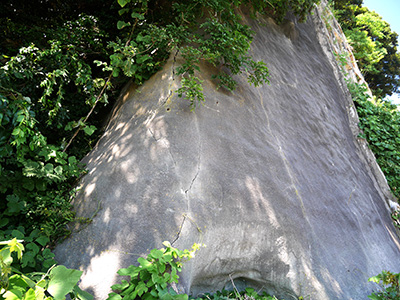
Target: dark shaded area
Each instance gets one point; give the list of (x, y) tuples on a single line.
[(23, 21)]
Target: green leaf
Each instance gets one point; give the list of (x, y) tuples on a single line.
[(122, 24), (122, 3), (5, 255), (375, 297), (30, 295), (31, 168), (72, 160), (13, 294), (62, 281), (14, 207), (16, 131), (114, 296), (28, 260), (49, 168), (121, 12), (130, 271), (375, 279), (156, 253), (28, 184), (82, 295), (58, 170), (135, 15), (3, 222), (17, 234), (89, 129), (33, 247), (144, 262)]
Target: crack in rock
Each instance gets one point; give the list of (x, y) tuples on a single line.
[(153, 135), (165, 144), (194, 178), (180, 230)]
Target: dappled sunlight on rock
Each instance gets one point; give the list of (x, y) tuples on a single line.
[(261, 205), (102, 272), (273, 180)]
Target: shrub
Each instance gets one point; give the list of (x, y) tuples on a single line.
[(390, 286), (55, 284)]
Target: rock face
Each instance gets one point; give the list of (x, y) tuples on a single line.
[(273, 180)]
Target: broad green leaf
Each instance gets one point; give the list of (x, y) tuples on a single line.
[(82, 295), (42, 240), (5, 255), (129, 271), (28, 184), (62, 281), (72, 160), (58, 170), (3, 222), (31, 168), (141, 288), (16, 131), (20, 118), (119, 287), (135, 15), (144, 262), (121, 12), (33, 247), (114, 296), (181, 297), (14, 206), (13, 294), (122, 3), (89, 129), (28, 259), (30, 295), (375, 279), (162, 267), (122, 24), (40, 292), (167, 257), (49, 168), (156, 253)]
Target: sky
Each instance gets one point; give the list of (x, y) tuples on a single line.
[(390, 12)]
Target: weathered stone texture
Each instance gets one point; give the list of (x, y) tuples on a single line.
[(272, 180)]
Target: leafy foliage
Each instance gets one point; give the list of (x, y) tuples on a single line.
[(247, 294), (390, 286), (152, 278), (374, 44), (380, 123), (56, 283), (396, 218)]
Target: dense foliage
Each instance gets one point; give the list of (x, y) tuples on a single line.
[(56, 283), (390, 286), (374, 44), (380, 124)]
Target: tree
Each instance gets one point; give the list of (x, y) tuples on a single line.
[(374, 44)]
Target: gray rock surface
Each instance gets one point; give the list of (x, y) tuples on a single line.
[(273, 180)]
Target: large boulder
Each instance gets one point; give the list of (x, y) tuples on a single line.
[(273, 180)]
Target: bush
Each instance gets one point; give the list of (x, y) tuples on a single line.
[(390, 286), (56, 283)]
